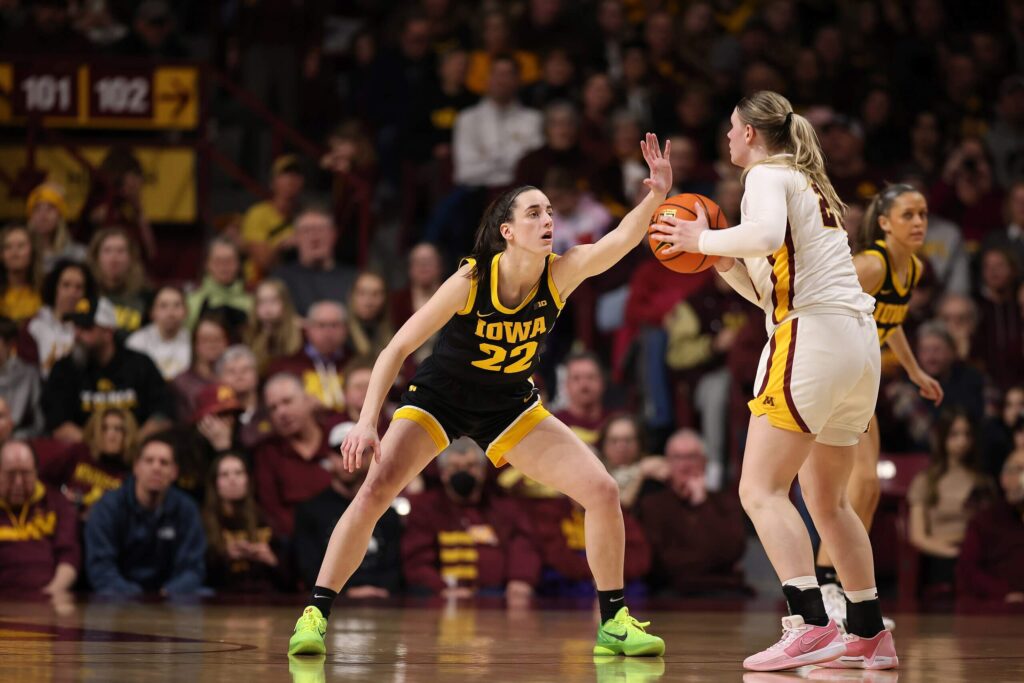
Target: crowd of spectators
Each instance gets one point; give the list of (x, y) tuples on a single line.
[(155, 414)]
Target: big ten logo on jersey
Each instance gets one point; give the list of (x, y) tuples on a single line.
[(510, 332)]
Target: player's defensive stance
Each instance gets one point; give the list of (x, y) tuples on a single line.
[(494, 315)]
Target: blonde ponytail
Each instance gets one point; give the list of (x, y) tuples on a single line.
[(791, 141)]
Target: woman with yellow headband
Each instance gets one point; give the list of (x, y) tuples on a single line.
[(47, 213)]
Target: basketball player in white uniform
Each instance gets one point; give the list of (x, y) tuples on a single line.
[(817, 380)]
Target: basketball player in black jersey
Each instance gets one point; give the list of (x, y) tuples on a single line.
[(895, 226), (494, 315)]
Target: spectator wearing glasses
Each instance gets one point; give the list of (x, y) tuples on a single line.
[(39, 549), (697, 536)]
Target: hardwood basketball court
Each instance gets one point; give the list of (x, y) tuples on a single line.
[(413, 641)]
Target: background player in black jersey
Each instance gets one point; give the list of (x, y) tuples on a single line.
[(895, 226), (494, 319)]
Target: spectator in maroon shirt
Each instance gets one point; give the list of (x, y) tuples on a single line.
[(104, 461), (999, 339), (992, 554), (39, 534), (584, 412), (697, 536), (292, 465), (210, 338), (320, 363), (461, 540)]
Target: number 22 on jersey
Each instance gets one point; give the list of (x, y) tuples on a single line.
[(497, 356), (510, 332)]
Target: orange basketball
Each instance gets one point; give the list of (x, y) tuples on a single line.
[(684, 207)]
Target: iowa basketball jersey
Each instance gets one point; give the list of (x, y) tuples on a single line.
[(892, 298), (489, 343)]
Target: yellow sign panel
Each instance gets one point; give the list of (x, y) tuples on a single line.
[(176, 97), (168, 193)]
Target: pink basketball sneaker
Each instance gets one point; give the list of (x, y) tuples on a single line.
[(878, 652), (801, 644)]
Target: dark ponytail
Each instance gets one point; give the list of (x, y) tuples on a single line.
[(489, 240), (871, 230)]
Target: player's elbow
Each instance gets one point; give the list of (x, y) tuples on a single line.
[(768, 241), (397, 350)]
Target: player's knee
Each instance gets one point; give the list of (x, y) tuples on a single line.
[(754, 496), (375, 496), (823, 505), (602, 492)]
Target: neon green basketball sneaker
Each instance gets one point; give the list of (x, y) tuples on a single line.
[(624, 635), (308, 637)]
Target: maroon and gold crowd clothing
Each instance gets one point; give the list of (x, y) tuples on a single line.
[(587, 429), (558, 523), (35, 538), (483, 546), (322, 379), (991, 562), (696, 547), (73, 469), (243, 576), (284, 478)]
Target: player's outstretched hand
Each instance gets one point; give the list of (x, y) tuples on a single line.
[(357, 441), (658, 162), (682, 235)]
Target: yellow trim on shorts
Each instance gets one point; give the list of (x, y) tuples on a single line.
[(425, 420), (773, 401), (516, 432), (471, 299), (551, 282)]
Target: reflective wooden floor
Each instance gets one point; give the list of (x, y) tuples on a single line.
[(416, 642)]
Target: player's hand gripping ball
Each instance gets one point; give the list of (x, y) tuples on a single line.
[(685, 207)]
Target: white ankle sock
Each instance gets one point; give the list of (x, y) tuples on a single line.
[(804, 583), (862, 596)]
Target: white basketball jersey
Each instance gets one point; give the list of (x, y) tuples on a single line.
[(813, 269)]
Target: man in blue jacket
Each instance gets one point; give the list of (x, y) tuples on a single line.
[(147, 536)]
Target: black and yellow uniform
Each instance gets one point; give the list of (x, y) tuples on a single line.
[(892, 297), (477, 381)]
